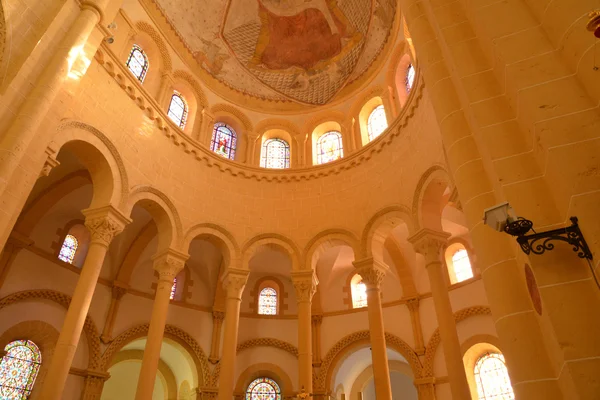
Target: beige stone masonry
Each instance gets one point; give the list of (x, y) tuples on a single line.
[(305, 283)]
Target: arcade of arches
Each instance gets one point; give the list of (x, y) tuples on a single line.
[(268, 199)]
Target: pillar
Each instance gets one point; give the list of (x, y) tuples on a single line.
[(415, 318), (425, 388), (317, 320), (103, 223), (430, 244), (168, 264), (93, 385), (218, 317), (118, 291), (207, 126), (372, 273), (305, 283), (234, 281), (164, 94)]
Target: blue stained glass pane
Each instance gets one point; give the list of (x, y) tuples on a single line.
[(275, 154), (377, 122), (19, 369), (329, 147), (263, 389), (138, 62), (68, 249), (224, 140)]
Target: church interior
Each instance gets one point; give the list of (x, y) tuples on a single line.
[(299, 199)]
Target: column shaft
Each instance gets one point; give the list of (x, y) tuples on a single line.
[(304, 346)]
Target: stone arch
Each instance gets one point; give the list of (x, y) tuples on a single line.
[(189, 78), (367, 374), (267, 370), (163, 212), (325, 116), (250, 247), (147, 28), (238, 114), (472, 349), (349, 343), (268, 342), (434, 340), (277, 123), (379, 228), (226, 241), (91, 332), (101, 158), (327, 239), (427, 201), (171, 332)]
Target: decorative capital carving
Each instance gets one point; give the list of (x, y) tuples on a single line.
[(413, 303), (371, 271), (168, 264), (218, 315), (317, 319), (429, 243), (118, 290), (305, 283), (104, 223), (50, 162), (234, 281)]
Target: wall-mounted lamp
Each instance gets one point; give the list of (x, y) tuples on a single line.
[(503, 218), (593, 24)]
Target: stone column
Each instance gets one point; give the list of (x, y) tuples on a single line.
[(305, 283), (426, 388), (317, 320), (234, 281), (118, 291), (415, 317), (103, 223), (93, 385), (168, 264), (430, 244), (372, 273), (207, 126), (163, 97), (218, 317)]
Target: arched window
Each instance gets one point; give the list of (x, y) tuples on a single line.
[(138, 62), (275, 154), (267, 301), (491, 377), (68, 249), (18, 369), (178, 109), (263, 389), (173, 289), (224, 140), (359, 292), (461, 266), (377, 122), (410, 77), (329, 147)]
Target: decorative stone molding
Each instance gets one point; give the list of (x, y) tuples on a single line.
[(305, 283), (93, 384), (236, 112), (50, 162), (234, 281), (218, 315), (189, 78), (104, 224), (168, 264), (268, 342), (435, 339), (317, 319), (371, 271), (142, 26), (430, 244)]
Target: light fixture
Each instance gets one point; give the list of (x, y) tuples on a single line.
[(593, 24), (503, 218)]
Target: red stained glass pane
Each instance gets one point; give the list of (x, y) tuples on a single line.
[(19, 369), (263, 389), (224, 140)]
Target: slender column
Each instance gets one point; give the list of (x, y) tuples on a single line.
[(372, 273), (168, 264), (103, 223), (305, 284), (118, 291), (425, 388), (251, 158), (164, 94), (317, 320), (93, 384), (430, 244), (208, 124), (218, 317), (234, 281), (415, 317)]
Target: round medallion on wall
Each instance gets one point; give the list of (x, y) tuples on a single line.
[(532, 287)]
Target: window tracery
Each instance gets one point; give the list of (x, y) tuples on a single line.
[(329, 147), (491, 377), (224, 140), (275, 154), (359, 292), (68, 249), (462, 266), (377, 122), (263, 389), (19, 369), (178, 109), (267, 301), (138, 62)]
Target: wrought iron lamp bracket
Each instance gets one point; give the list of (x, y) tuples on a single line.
[(538, 243)]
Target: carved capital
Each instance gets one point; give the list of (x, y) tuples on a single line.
[(168, 264), (305, 283), (430, 244), (317, 319), (104, 223), (412, 303), (50, 162), (234, 281), (118, 290), (371, 271), (218, 316)]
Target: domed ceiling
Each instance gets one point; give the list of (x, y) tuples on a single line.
[(304, 51)]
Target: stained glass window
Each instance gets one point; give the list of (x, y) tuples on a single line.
[(173, 290), (138, 62), (377, 122), (359, 292), (491, 376), (224, 140), (267, 301), (18, 369), (68, 249), (275, 154), (263, 389), (178, 109), (410, 77), (462, 266), (329, 147)]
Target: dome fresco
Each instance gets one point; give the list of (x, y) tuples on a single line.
[(304, 51)]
